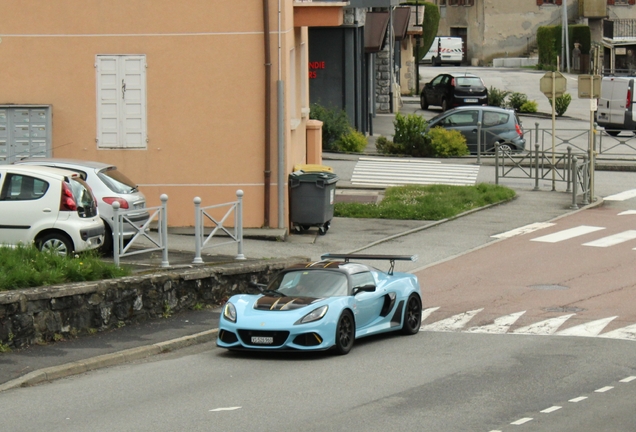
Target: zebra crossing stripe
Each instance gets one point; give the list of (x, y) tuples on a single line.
[(621, 196), (454, 323), (546, 327), (613, 239), (628, 332), (627, 212), (523, 230), (567, 234), (500, 325), (593, 328)]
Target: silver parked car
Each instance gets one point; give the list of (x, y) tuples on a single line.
[(108, 185)]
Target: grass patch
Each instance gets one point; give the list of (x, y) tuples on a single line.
[(27, 267), (432, 202)]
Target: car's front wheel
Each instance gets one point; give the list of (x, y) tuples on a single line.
[(345, 333), (412, 315), (56, 243), (423, 101)]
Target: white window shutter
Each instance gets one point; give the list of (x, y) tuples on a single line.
[(121, 101)]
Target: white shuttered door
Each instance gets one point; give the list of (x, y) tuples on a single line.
[(121, 101)]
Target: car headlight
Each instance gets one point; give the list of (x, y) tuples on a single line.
[(314, 315), (229, 312)]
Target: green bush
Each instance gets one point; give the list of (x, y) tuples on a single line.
[(385, 146), (430, 24), (497, 97), (447, 143), (516, 100), (561, 103), (351, 142), (335, 124), (410, 133), (549, 43), (529, 107)]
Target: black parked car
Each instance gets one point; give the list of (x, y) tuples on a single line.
[(450, 90), (498, 125)]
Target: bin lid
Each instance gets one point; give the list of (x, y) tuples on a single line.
[(312, 168), (326, 178)]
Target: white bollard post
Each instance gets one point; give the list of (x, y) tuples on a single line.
[(198, 231)]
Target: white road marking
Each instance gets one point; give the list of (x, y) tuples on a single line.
[(521, 421), (628, 379), (627, 212), (578, 399), (628, 194), (427, 312), (454, 323), (551, 409), (603, 389), (613, 239), (592, 328), (225, 409), (523, 230), (500, 325), (567, 234), (628, 332), (546, 327)]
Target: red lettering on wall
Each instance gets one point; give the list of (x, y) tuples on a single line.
[(313, 66)]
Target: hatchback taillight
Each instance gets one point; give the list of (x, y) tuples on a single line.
[(628, 102), (67, 201), (518, 129), (123, 204), (453, 82)]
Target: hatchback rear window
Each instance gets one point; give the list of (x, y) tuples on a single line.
[(117, 181), (83, 197), (469, 81), (495, 118)]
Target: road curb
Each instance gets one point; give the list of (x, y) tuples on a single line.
[(108, 360)]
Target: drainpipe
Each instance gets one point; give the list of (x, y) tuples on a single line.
[(281, 128), (268, 99)]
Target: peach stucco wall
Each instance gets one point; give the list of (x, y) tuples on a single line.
[(205, 91)]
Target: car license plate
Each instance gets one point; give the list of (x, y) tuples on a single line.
[(262, 340), (470, 100)]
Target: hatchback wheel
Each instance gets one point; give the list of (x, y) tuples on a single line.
[(444, 104), (423, 101), (56, 243)]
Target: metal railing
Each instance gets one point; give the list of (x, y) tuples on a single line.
[(161, 243), (201, 214)]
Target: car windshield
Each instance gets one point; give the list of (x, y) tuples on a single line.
[(310, 283), (117, 181), (469, 81)]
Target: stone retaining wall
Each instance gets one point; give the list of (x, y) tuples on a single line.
[(47, 313)]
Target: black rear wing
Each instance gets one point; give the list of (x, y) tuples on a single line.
[(391, 258)]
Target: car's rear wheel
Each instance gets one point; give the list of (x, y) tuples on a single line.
[(106, 248), (505, 148), (612, 132), (412, 315), (345, 333), (56, 243), (444, 104), (423, 101), (436, 61)]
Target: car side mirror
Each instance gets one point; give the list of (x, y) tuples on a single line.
[(364, 288)]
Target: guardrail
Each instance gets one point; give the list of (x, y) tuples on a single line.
[(161, 243), (568, 168), (200, 214)]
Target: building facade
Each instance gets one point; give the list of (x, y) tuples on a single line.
[(190, 98)]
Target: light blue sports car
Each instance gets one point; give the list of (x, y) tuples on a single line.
[(323, 305)]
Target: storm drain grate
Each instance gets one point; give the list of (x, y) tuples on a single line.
[(548, 287)]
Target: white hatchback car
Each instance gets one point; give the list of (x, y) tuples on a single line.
[(52, 208), (108, 184)]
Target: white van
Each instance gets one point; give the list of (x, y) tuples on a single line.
[(445, 50), (615, 107)]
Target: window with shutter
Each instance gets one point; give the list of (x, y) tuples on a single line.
[(121, 101)]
